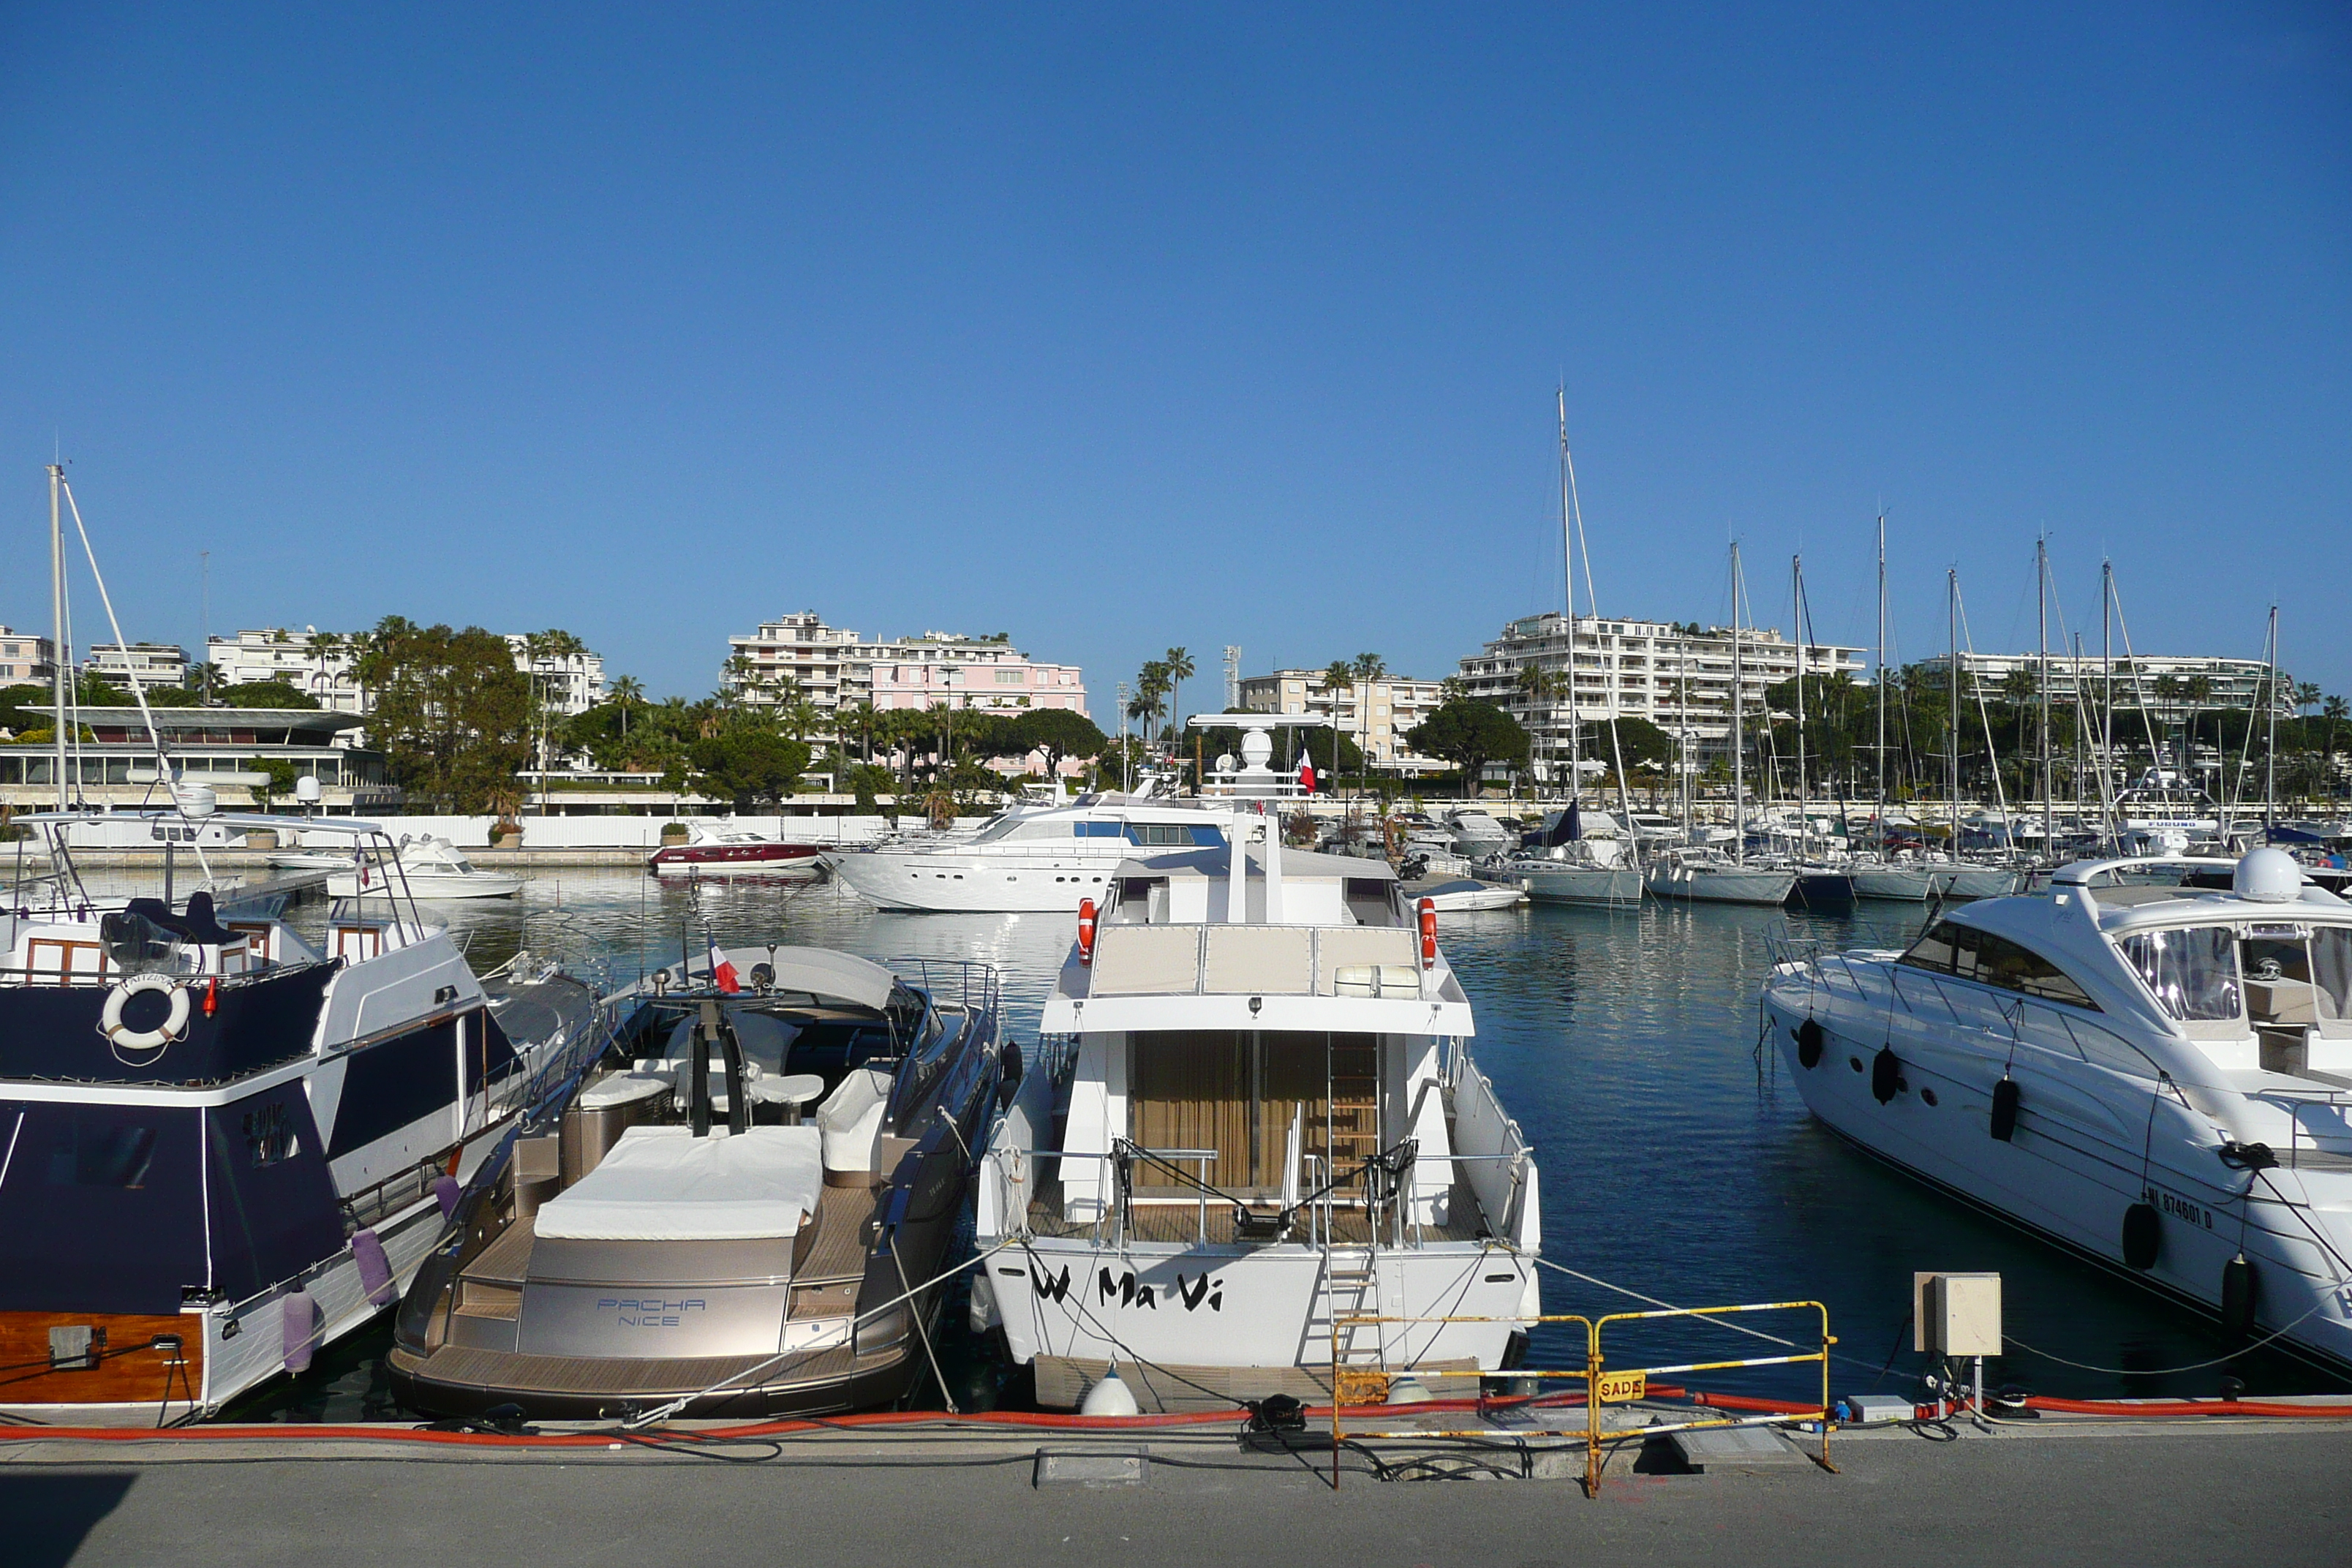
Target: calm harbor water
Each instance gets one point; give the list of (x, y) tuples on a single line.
[(1673, 1162)]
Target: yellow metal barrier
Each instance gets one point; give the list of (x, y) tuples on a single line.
[(1603, 1384)]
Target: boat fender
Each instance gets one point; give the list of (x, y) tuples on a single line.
[(2240, 1291), (1111, 1397), (299, 1321), (1428, 934), (1086, 930), (2143, 1236), (983, 1311), (1008, 1076), (212, 997), (2004, 1109), (175, 1018), (1886, 1075), (1808, 1044), (446, 1191), (376, 1270)]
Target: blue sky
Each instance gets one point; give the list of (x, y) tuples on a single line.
[(1119, 328)]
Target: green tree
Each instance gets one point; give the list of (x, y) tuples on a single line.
[(1059, 732), (748, 762), (1470, 735), (453, 714)]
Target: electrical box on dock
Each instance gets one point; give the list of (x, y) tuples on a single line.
[(1956, 1314)]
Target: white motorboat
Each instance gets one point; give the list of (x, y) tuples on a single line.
[(1698, 874), (426, 868), (1269, 1149), (2156, 1077), (1476, 835), (1028, 859), (1462, 894)]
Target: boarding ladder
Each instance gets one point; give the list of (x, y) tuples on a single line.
[(1352, 1305)]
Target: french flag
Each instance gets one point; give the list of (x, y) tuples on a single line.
[(1306, 776), (722, 968)]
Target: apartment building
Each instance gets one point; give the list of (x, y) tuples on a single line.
[(26, 659), (320, 664), (145, 665), (1679, 678), (2165, 685), (833, 668), (1375, 714)]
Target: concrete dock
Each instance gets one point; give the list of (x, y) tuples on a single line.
[(2056, 1492)]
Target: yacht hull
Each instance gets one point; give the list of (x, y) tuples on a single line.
[(1982, 882), (1896, 884), (433, 887), (1581, 884), (929, 882), (2080, 1157), (1720, 886)]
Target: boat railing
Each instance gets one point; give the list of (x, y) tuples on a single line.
[(969, 981)]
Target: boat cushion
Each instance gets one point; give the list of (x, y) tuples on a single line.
[(851, 1119), (663, 1183)]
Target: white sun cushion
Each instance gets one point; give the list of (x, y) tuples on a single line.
[(663, 1183)]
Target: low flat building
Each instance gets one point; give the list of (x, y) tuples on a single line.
[(1375, 714), (206, 746)]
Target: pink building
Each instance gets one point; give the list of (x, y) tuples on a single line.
[(962, 673)]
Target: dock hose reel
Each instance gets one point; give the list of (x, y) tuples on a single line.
[(172, 1026)]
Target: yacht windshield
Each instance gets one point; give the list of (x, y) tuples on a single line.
[(2194, 972), (2331, 969)]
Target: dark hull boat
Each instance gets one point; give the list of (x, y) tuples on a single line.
[(222, 1146), (747, 1210)]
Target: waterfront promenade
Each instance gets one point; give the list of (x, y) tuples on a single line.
[(2061, 1493)]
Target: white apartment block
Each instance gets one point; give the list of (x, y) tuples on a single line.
[(1678, 679), (26, 659), (834, 668), (146, 665), (2229, 683), (1375, 714), (320, 663)]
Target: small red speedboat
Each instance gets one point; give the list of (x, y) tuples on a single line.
[(717, 851)]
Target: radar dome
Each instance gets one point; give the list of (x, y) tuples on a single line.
[(2267, 877)]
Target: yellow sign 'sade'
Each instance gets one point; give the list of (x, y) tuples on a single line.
[(1617, 1387)]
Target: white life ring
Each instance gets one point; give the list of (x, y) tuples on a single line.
[(175, 1023)]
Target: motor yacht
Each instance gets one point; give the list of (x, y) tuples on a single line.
[(745, 1212), (425, 866), (1477, 835), (1460, 895), (1028, 859), (2152, 1073), (1260, 1146), (724, 849), (221, 1145)]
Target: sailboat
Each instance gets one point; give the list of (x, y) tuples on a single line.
[(1566, 866), (1879, 874)]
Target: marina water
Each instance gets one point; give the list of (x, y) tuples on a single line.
[(1676, 1161)]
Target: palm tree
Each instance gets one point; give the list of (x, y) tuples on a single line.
[(324, 647), (1338, 676), (1546, 688), (1178, 666), (626, 692), (1152, 689), (1370, 670), (858, 719)]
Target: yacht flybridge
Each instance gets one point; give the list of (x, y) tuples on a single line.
[(1265, 1147), (223, 1145), (2150, 1065)]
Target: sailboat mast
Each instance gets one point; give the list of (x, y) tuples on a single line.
[(2270, 740), (2107, 696), (2041, 618), (1567, 562), (60, 659), (1797, 615), (1952, 722), (1738, 729), (1879, 680)]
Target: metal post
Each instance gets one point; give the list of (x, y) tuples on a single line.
[(1592, 1410), (59, 655)]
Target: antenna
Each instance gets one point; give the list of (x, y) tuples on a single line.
[(1233, 676)]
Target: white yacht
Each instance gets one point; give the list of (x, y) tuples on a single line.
[(426, 868), (1581, 861), (2156, 1077), (1266, 1131), (1029, 859), (222, 1146), (1476, 835), (1701, 875)]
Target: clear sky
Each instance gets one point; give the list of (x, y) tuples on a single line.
[(1114, 328)]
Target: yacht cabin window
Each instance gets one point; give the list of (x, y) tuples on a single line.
[(2331, 969), (1967, 954), (2193, 972), (2294, 975)]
